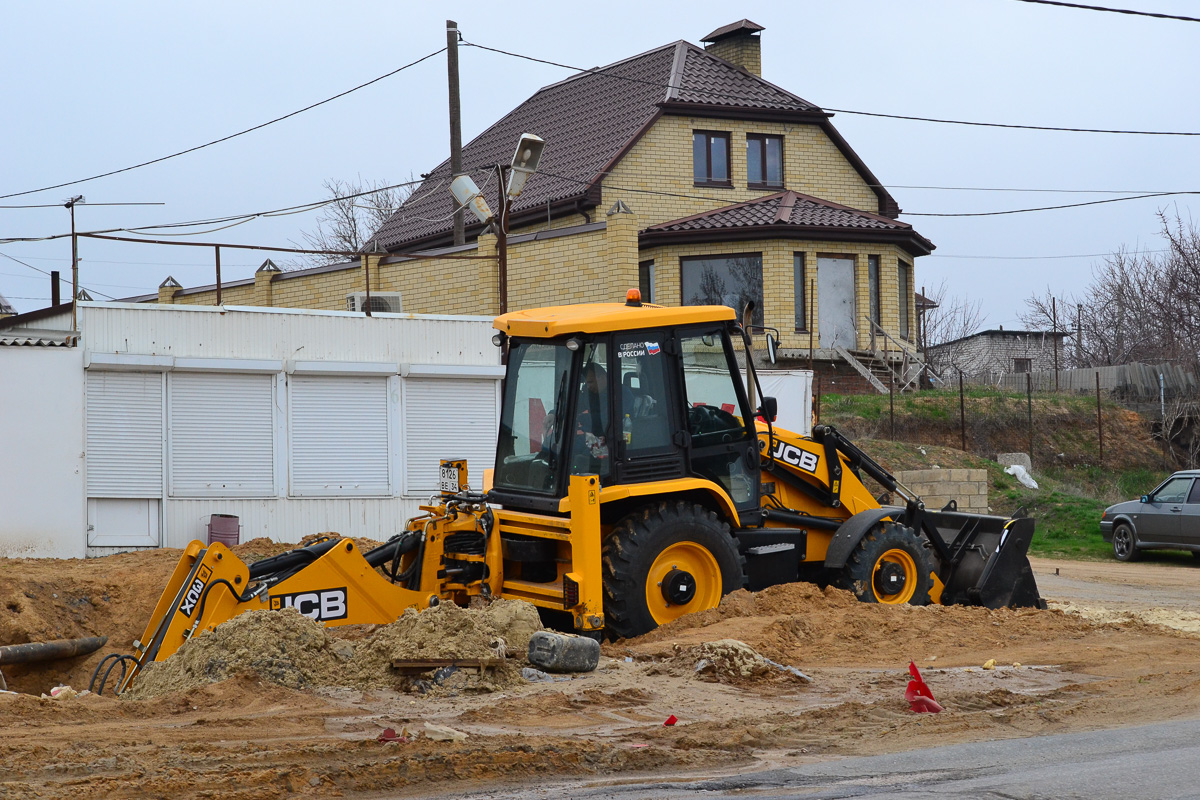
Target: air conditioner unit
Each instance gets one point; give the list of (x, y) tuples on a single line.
[(381, 302)]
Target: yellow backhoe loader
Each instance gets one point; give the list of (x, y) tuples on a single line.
[(636, 480)]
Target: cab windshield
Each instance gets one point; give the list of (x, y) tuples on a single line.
[(536, 394)]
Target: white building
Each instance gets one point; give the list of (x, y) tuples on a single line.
[(295, 421)]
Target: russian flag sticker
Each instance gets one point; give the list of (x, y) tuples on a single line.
[(652, 348)]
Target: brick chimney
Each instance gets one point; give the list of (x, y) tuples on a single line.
[(739, 44)]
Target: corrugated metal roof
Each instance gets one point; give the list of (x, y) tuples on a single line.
[(37, 338)]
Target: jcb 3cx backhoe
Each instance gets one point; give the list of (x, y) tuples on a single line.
[(636, 480)]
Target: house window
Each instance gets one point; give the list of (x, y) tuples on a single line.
[(710, 158), (801, 286), (646, 280), (873, 287), (764, 161), (905, 296), (731, 280), (1022, 365)]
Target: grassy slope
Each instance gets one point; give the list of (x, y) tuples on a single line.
[(1073, 489)]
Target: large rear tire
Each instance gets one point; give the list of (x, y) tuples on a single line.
[(665, 561), (891, 565)]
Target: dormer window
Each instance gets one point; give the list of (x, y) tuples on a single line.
[(710, 158), (764, 161)]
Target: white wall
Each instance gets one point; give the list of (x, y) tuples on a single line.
[(42, 509)]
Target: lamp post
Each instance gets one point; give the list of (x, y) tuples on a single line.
[(70, 205), (511, 179)]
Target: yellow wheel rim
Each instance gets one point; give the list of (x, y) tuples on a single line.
[(905, 562), (694, 560)]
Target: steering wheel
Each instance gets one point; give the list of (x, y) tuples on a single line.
[(710, 419)]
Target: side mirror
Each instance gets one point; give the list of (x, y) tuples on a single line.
[(1145, 498), (769, 408), (772, 346)]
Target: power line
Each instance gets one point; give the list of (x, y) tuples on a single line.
[(724, 201), (1034, 258), (1044, 208), (729, 95), (1113, 10), (35, 269), (230, 136)]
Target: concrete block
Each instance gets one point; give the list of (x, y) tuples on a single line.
[(1008, 459)]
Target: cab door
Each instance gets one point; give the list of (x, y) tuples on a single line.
[(647, 421), (723, 446)]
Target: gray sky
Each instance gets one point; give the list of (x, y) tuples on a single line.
[(91, 87)]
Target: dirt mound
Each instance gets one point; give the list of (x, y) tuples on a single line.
[(724, 661), (284, 648), (801, 624), (281, 647)]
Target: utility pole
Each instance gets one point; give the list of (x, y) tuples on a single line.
[(1054, 336), (460, 236), (1079, 335), (70, 204)]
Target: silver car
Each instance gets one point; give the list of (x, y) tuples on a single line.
[(1166, 519)]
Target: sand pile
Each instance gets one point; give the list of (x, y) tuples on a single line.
[(725, 661), (287, 649), (281, 647)]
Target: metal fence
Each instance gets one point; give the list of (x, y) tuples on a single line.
[(1127, 381)]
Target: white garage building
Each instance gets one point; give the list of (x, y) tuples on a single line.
[(295, 421)]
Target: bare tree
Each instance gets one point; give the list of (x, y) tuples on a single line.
[(949, 318), (359, 209), (1138, 306)]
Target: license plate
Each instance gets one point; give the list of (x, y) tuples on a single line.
[(449, 477)]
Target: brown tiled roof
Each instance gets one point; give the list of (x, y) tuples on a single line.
[(787, 215), (589, 121)]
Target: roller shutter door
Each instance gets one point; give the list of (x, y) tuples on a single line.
[(339, 436), (221, 435), (124, 434), (448, 418)]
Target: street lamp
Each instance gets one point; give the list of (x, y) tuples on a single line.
[(70, 205), (466, 193)]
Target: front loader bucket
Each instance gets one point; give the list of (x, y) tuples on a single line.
[(989, 563)]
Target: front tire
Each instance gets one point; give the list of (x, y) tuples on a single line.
[(891, 565), (665, 561), (1124, 543)]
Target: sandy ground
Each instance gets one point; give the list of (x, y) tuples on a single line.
[(1118, 646)]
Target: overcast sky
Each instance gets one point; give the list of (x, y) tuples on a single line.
[(90, 87)]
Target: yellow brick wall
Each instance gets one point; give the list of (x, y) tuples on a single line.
[(779, 295), (662, 162)]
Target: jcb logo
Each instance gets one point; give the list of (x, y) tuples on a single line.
[(323, 606), (187, 606), (790, 454)]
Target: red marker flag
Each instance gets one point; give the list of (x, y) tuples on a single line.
[(919, 698)]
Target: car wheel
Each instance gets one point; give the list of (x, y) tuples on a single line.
[(1124, 543)]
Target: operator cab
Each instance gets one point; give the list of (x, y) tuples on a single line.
[(632, 406)]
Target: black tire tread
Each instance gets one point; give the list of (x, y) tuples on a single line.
[(860, 567), (636, 541)]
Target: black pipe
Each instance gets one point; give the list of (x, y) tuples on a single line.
[(50, 651), (397, 546), (802, 520), (291, 559)]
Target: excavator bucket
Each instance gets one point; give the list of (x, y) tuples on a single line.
[(986, 562)]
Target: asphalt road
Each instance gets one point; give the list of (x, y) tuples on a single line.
[(1151, 762)]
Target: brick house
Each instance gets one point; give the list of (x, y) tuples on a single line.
[(679, 170), (998, 352)]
